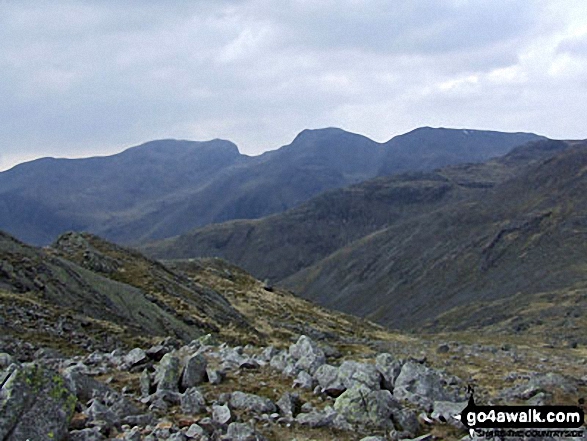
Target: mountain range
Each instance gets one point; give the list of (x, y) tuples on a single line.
[(164, 188), (433, 250)]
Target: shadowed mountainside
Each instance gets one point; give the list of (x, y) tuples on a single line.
[(281, 245), (164, 188), (524, 238)]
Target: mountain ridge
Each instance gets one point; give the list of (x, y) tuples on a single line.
[(144, 193)]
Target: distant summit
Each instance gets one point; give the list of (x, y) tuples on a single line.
[(167, 187)]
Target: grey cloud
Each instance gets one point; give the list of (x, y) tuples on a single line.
[(80, 76)]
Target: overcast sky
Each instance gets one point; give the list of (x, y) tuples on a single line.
[(84, 78)]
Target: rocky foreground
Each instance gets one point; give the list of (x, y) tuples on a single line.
[(210, 391)]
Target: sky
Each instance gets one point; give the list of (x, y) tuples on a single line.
[(84, 78)]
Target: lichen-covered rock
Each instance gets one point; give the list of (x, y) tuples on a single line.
[(289, 405), (221, 414), (84, 386), (242, 432), (145, 383), (329, 381), (304, 380), (251, 403), (352, 373), (135, 357), (389, 368), (88, 434), (5, 360), (307, 354), (214, 376), (361, 405), (281, 361), (167, 373), (421, 385), (194, 372), (35, 403), (445, 411), (193, 402), (316, 418)]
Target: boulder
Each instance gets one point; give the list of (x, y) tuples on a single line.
[(215, 376), (192, 401), (35, 403), (445, 411), (304, 380), (88, 434), (194, 372), (221, 414), (167, 373), (421, 385), (389, 368), (352, 373), (145, 383), (307, 355), (242, 432), (316, 419), (361, 405), (82, 385), (135, 357), (329, 381), (289, 405), (251, 403)]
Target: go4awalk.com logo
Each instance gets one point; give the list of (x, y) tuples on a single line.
[(565, 421)]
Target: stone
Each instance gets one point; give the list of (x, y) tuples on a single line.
[(406, 420), (421, 385), (215, 376), (316, 419), (194, 372), (88, 434), (268, 353), (195, 431), (289, 405), (83, 386), (156, 352), (444, 412), (442, 348), (192, 402), (362, 405), (5, 360), (373, 438), (48, 354), (251, 403), (328, 380), (35, 403), (537, 383), (241, 432), (304, 380), (281, 360), (249, 363), (221, 414), (389, 368), (307, 354), (352, 373), (177, 436), (100, 412), (135, 357), (145, 383), (167, 373)]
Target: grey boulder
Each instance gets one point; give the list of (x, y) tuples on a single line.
[(35, 403)]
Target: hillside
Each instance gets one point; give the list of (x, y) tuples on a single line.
[(281, 245), (505, 252), (167, 187)]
